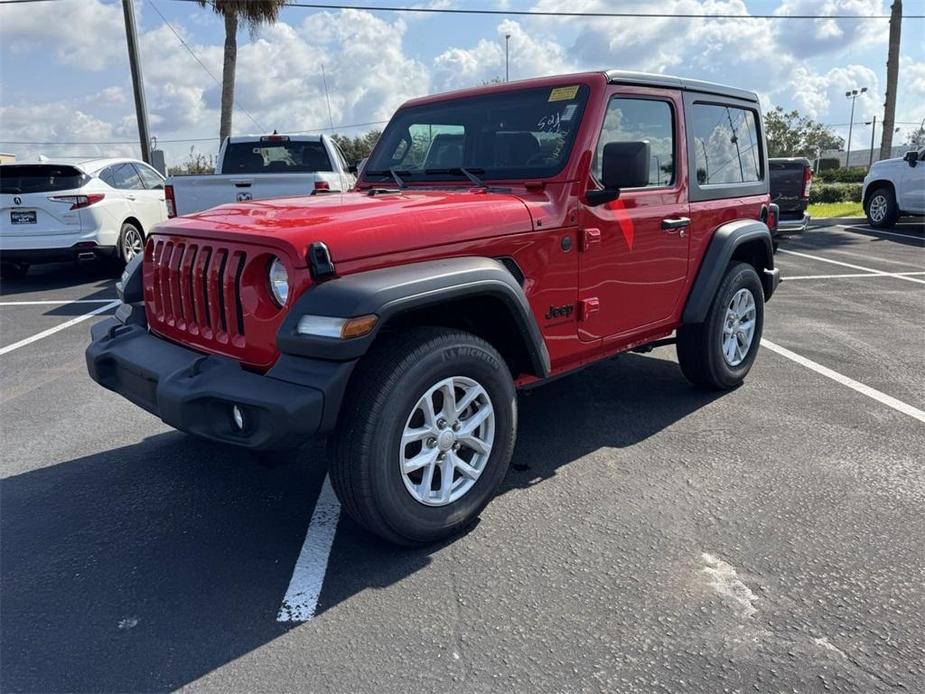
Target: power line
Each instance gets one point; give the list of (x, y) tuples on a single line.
[(342, 126), (551, 13), (196, 58)]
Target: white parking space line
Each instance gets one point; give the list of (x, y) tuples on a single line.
[(880, 397), (851, 274), (853, 267), (57, 328), (857, 229), (62, 302), (301, 598)]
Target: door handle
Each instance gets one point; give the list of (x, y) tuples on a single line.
[(675, 223), (129, 197)]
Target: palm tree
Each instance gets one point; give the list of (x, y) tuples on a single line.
[(892, 79), (252, 13)]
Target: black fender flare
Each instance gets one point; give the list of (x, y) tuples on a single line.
[(726, 239), (391, 291)]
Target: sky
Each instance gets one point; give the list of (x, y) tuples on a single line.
[(64, 75)]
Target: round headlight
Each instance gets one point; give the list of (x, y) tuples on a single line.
[(279, 281)]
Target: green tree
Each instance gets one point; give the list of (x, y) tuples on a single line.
[(916, 138), (793, 135), (252, 13), (196, 163), (356, 148)]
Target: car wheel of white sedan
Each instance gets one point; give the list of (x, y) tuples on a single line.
[(131, 241)]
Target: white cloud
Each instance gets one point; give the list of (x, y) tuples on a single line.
[(803, 38), (370, 68), (531, 55), (86, 34)]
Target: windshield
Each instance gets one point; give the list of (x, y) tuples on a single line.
[(276, 156), (40, 178), (526, 133)]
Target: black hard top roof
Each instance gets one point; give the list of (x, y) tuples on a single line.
[(652, 80)]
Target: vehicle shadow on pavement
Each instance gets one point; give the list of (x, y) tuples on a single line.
[(613, 404), (821, 238), (144, 567), (93, 280)]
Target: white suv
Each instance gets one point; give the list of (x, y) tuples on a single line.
[(895, 187), (52, 211)]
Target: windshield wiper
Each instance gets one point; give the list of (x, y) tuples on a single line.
[(396, 174), (459, 170)]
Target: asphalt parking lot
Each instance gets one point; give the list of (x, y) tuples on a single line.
[(649, 537)]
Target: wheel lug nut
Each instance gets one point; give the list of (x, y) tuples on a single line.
[(431, 442), (441, 424), (456, 446), (456, 426)]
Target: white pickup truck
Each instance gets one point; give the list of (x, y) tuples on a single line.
[(895, 187), (257, 167)]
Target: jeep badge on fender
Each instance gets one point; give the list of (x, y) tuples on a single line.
[(401, 318)]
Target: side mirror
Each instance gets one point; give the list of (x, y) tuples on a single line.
[(912, 157), (623, 165)]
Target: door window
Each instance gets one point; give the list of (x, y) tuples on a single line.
[(150, 177), (641, 120), (124, 177), (726, 145)]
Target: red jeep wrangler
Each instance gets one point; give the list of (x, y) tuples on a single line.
[(498, 237)]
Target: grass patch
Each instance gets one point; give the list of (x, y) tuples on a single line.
[(822, 210)]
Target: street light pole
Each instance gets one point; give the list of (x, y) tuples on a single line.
[(853, 95), (507, 57), (141, 110), (873, 129)]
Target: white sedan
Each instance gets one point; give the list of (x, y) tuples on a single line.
[(57, 210)]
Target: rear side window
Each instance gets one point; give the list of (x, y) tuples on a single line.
[(39, 178), (151, 178), (123, 176), (726, 145), (275, 156), (641, 120)]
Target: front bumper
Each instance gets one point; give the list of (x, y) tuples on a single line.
[(196, 393)]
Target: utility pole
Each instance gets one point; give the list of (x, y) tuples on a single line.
[(852, 94), (141, 110), (507, 57), (873, 129), (892, 79)]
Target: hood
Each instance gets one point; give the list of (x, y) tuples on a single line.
[(357, 225)]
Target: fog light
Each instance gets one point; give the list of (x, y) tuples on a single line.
[(238, 417)]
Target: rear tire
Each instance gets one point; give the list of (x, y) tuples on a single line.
[(718, 353), (882, 210), (386, 431), (131, 242)]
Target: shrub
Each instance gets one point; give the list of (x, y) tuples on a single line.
[(835, 192), (829, 164), (853, 175)]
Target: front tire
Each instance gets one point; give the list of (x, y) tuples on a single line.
[(882, 210), (425, 435), (718, 353)]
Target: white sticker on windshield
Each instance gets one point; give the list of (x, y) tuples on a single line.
[(568, 112)]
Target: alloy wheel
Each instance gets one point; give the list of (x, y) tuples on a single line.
[(877, 208), (739, 327), (132, 243), (447, 441)]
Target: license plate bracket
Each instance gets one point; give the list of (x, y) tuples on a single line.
[(22, 217)]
